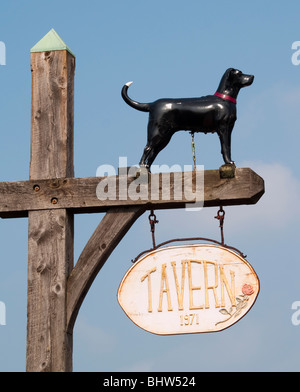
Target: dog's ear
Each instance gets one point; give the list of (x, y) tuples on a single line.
[(229, 73), (232, 72)]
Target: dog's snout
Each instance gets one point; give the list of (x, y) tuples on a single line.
[(248, 80)]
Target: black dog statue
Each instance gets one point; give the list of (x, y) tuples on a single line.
[(212, 113)]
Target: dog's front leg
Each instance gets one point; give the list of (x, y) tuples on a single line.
[(225, 140)]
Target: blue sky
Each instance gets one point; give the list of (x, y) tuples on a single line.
[(169, 49)]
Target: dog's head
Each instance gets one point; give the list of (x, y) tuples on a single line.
[(238, 78), (233, 80)]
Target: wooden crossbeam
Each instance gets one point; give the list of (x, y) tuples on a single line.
[(79, 194)]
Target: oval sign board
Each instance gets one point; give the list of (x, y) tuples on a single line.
[(188, 289)]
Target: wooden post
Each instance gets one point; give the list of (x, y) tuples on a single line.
[(50, 247)]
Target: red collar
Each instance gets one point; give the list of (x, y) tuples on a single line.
[(224, 96)]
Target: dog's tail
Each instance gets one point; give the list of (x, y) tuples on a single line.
[(143, 107)]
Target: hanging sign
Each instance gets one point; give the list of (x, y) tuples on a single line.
[(188, 289)]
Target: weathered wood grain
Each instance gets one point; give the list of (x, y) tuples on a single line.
[(79, 194), (50, 238), (52, 114), (50, 245)]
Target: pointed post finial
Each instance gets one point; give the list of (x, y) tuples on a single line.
[(51, 41)]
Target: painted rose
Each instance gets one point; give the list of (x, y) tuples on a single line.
[(247, 289)]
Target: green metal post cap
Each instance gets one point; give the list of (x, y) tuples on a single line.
[(51, 41)]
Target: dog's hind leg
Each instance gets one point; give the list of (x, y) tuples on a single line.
[(152, 136), (157, 145), (144, 158)]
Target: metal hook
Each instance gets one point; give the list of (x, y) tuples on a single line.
[(221, 216), (153, 221)]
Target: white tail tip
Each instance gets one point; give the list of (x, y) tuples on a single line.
[(128, 84)]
